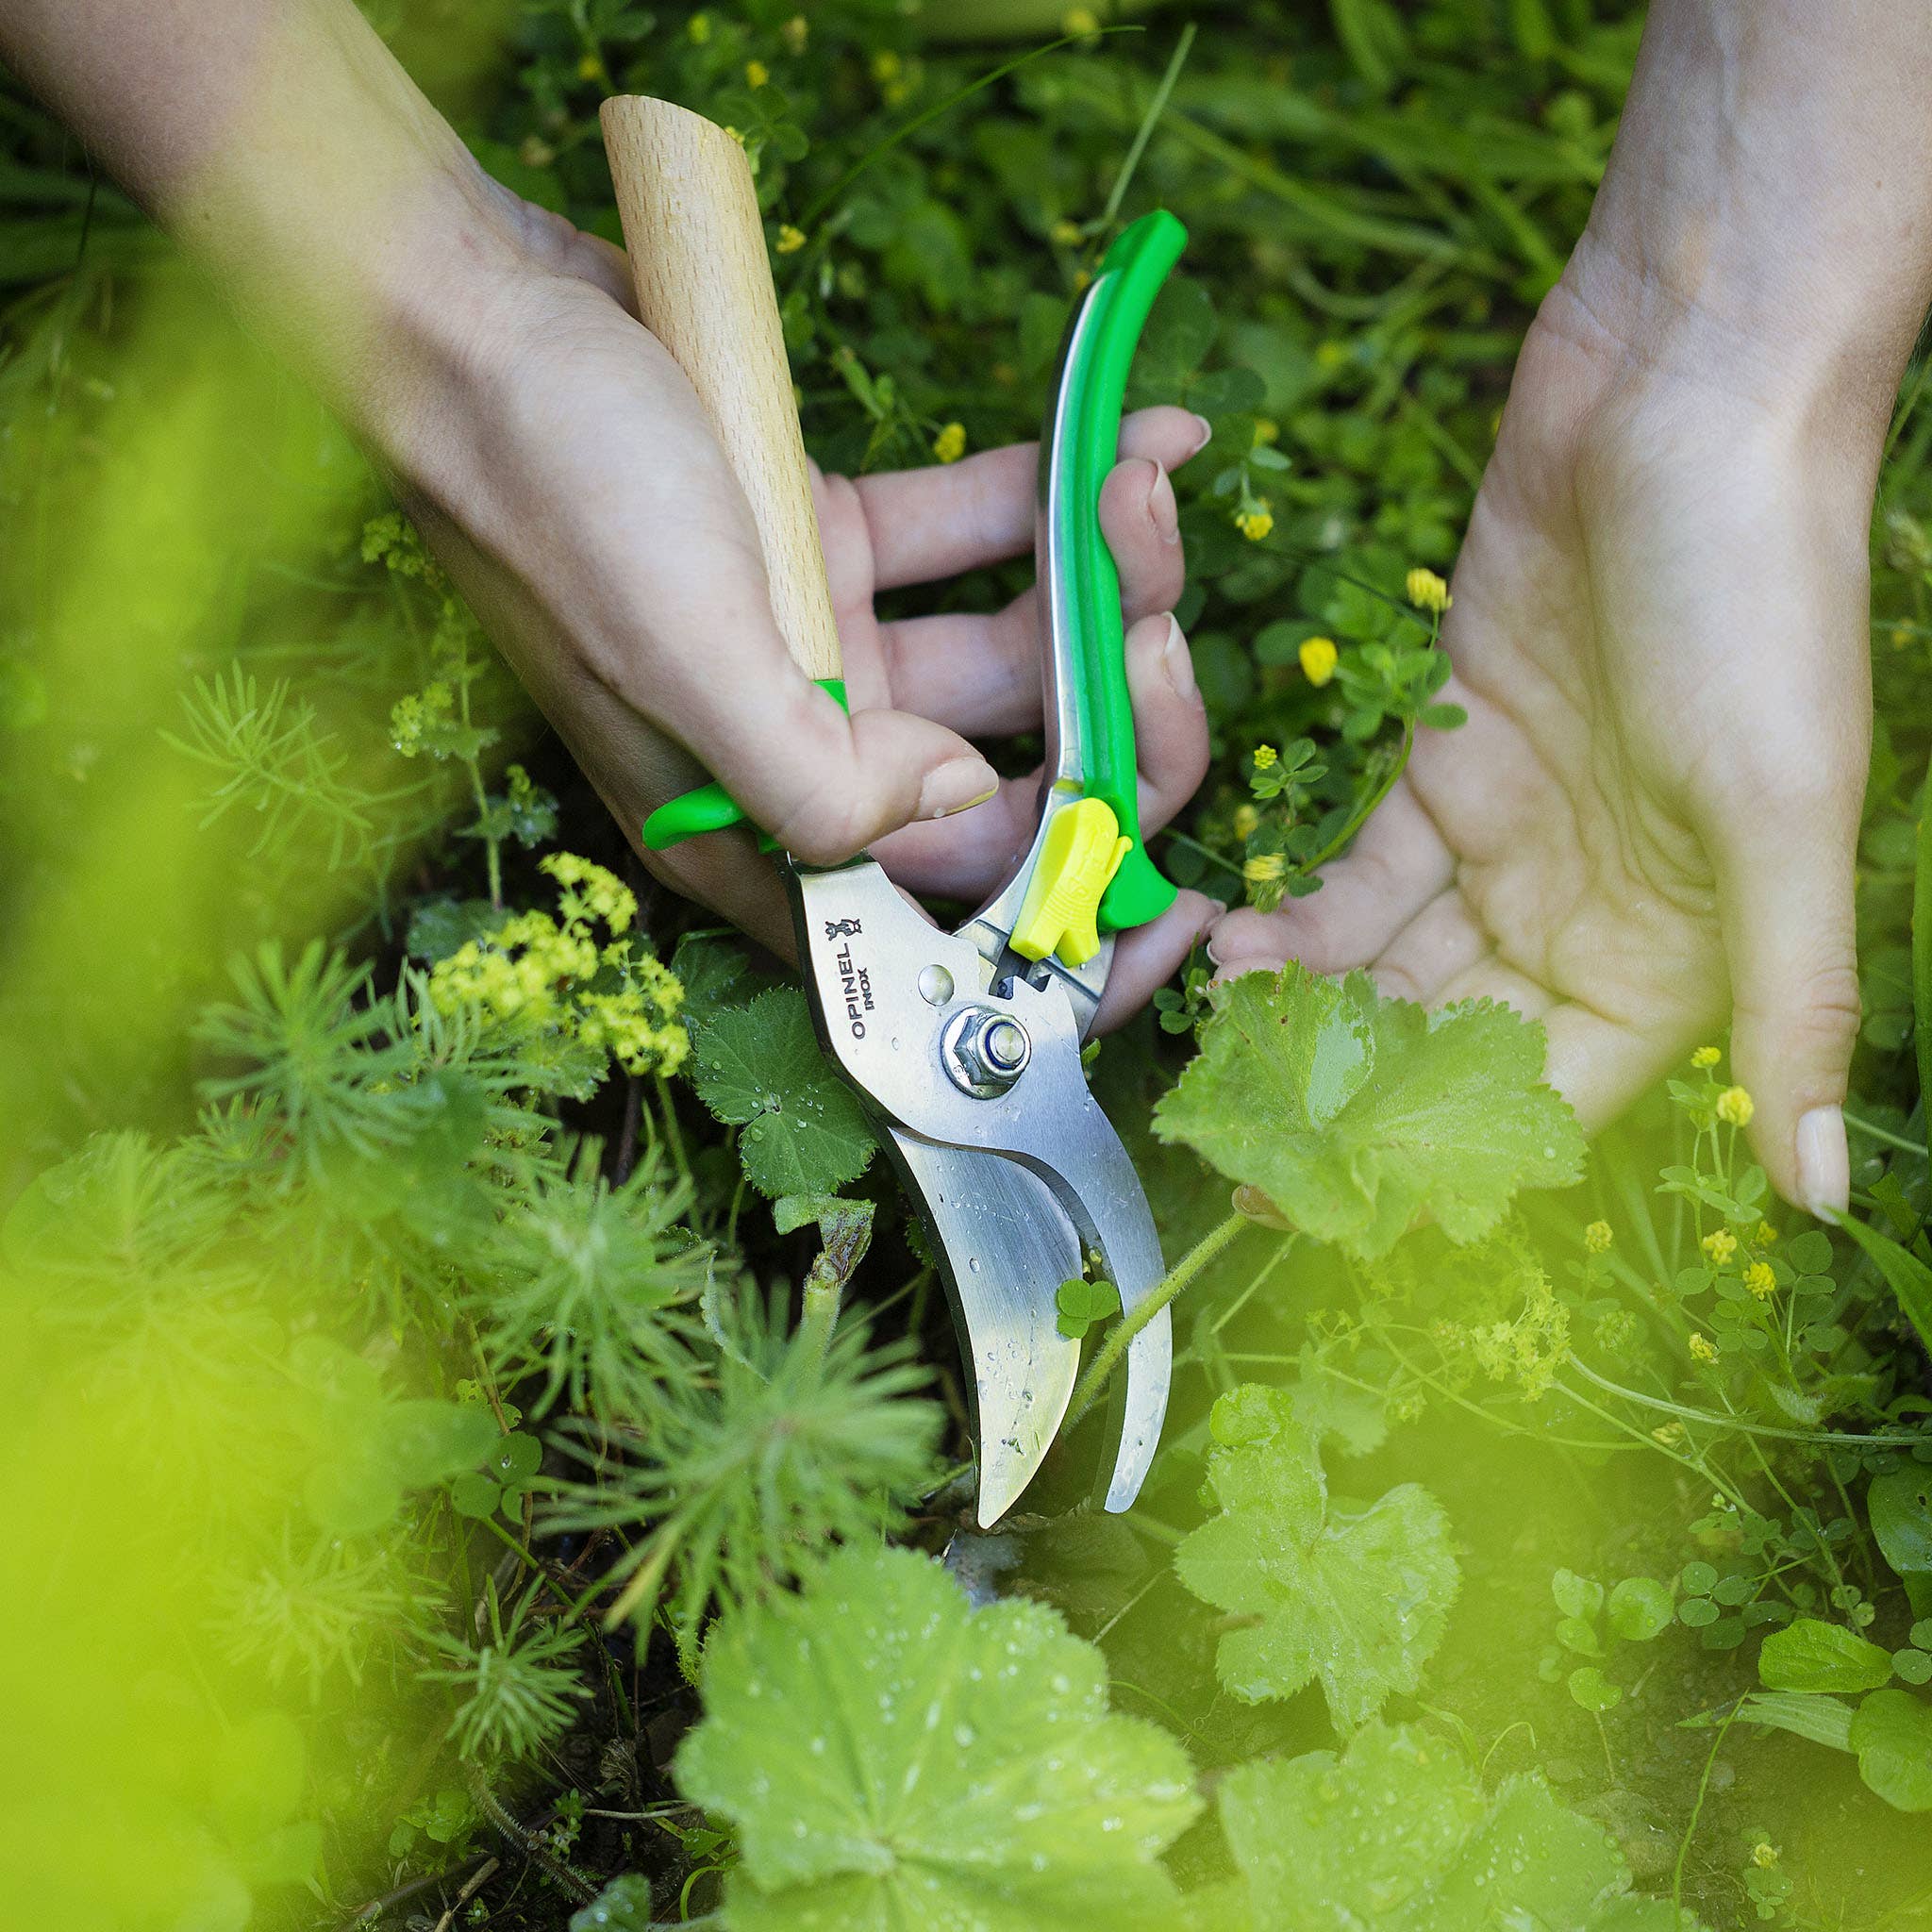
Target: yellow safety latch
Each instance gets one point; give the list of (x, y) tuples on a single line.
[(1083, 851)]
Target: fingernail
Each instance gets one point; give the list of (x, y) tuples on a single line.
[(1179, 661), (957, 785), (1214, 949), (1206, 437), (1824, 1161), (1163, 508)]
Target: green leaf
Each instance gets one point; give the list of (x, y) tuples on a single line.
[(1590, 1688), (1901, 1506), (1395, 1835), (1808, 1654), (1082, 1303), (1355, 1599), (759, 1068), (1907, 1277), (890, 1757), (1355, 1114), (1576, 1596), (1921, 958), (1892, 1735), (1822, 1720), (1640, 1609), (623, 1906)]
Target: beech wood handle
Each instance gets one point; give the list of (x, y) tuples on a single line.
[(703, 283)]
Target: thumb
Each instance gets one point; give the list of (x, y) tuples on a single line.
[(1786, 899), (826, 785)]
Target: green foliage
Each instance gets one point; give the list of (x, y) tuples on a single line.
[(743, 1470), (889, 1756), (519, 1690), (1807, 1655), (1355, 1114), (1357, 1599), (758, 1067), (1395, 1835), (1083, 1304)]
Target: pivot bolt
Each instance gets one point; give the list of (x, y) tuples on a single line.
[(984, 1051)]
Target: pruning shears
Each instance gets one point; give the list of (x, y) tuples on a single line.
[(964, 1046)]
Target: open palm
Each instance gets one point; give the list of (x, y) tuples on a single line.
[(1658, 633)]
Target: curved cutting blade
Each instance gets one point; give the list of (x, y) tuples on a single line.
[(1004, 1248)]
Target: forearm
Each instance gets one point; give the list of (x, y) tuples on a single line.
[(1767, 213), (285, 149)]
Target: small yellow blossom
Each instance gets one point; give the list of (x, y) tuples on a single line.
[(1668, 1433), (1254, 523), (794, 33), (1427, 590), (1330, 354), (755, 73), (1246, 820), (1317, 657), (1266, 757), (1702, 1348), (1762, 1280), (1597, 1237), (738, 135), (699, 27), (590, 68), (1067, 233), (1764, 1854), (1265, 867), (949, 445), (885, 65), (1735, 1106), (790, 240), (1706, 1056), (1266, 431), (1719, 1244), (1766, 1234), (1080, 20)]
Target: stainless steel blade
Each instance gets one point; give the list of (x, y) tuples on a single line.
[(885, 985), (1018, 1247)]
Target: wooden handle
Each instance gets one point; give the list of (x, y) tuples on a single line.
[(697, 257)]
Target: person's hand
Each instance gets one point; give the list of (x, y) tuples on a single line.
[(1658, 630), (564, 473)]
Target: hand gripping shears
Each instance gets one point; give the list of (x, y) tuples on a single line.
[(964, 1046)]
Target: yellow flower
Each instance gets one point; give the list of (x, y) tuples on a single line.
[(794, 33), (1706, 1056), (1427, 590), (1667, 1433), (590, 68), (1702, 1350), (1266, 431), (1079, 20), (1735, 1106), (949, 445), (699, 27), (1766, 1234), (1254, 523), (1330, 354), (1245, 821), (1764, 1853), (1265, 867), (1265, 756), (886, 64), (1720, 1244), (1066, 233), (790, 240), (1317, 656), (1597, 1237), (738, 135), (1762, 1280), (755, 73)]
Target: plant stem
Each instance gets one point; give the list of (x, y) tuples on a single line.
[(1122, 1333), (1146, 131)]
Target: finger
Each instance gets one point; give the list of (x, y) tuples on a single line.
[(936, 521), (1151, 955), (1396, 866), (971, 858), (1784, 891), (981, 674), (1600, 1066), (1444, 942)]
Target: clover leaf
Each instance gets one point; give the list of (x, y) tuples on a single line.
[(758, 1067), (1082, 1303), (1354, 1114), (890, 1757), (504, 1480), (1395, 1835), (1355, 1598)]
